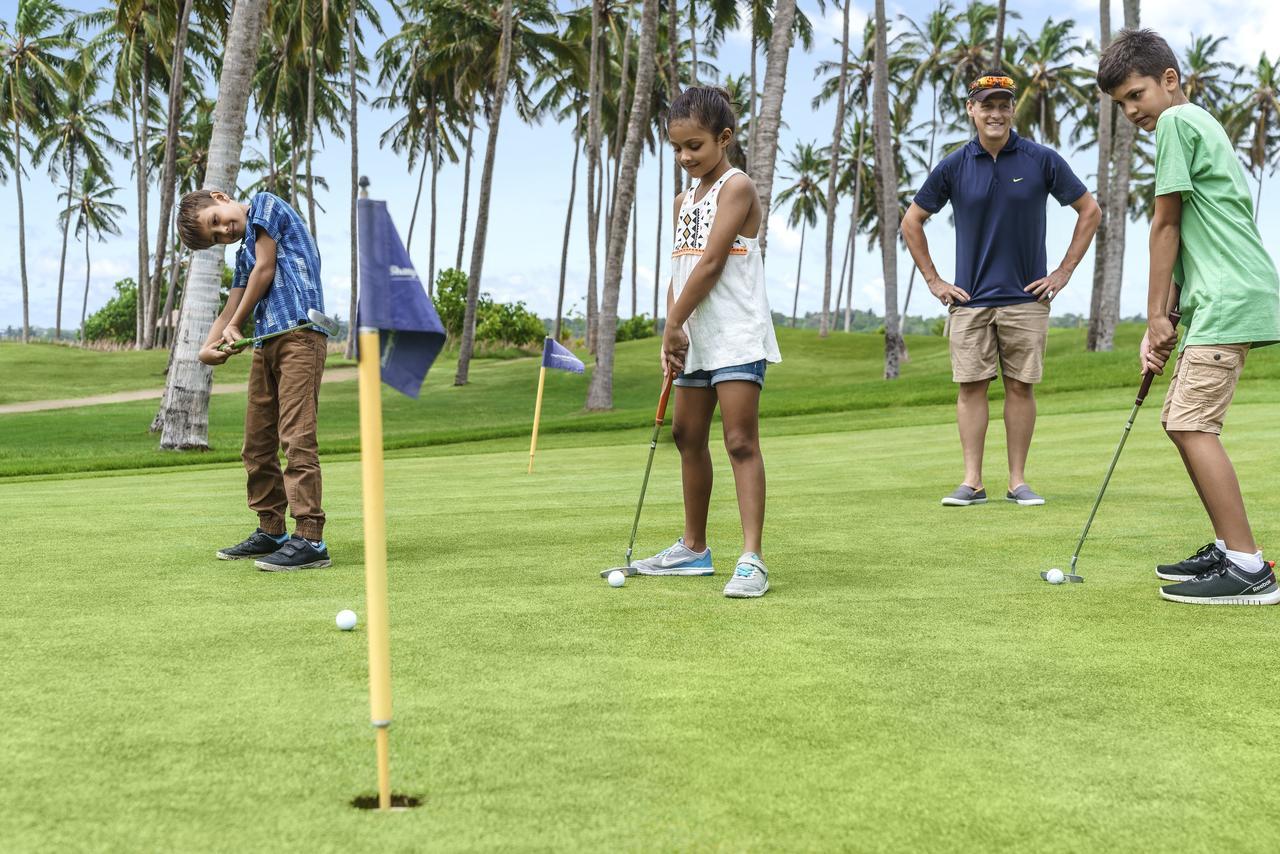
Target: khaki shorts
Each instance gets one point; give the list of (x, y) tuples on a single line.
[(1200, 390), (1011, 337)]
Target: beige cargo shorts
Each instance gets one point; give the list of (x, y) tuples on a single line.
[(1011, 338), (1203, 383)]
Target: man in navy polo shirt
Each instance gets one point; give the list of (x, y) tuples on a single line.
[(998, 184)]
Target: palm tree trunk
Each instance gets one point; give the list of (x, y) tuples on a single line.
[(933, 134), (1101, 249), (673, 89), (311, 134), (66, 230), (417, 199), (824, 324), (775, 84), (84, 305), (146, 292), (795, 303), (274, 185), (844, 268), (482, 208), (568, 224), (693, 42), (162, 340), (435, 174), (594, 73), (184, 414), (466, 187), (887, 178), (1121, 170), (857, 211), (22, 229), (1257, 203), (168, 187), (657, 242), (635, 248), (848, 291), (751, 121), (997, 44), (353, 310), (600, 391), (293, 168)]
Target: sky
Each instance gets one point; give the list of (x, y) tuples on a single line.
[(531, 190)]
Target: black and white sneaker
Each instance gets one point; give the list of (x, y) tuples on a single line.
[(1202, 561), (259, 544), (1227, 584), (296, 553)]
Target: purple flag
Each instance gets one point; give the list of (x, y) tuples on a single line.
[(554, 355), (392, 300)]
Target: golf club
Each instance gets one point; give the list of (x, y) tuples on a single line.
[(1071, 576), (627, 568), (315, 320)]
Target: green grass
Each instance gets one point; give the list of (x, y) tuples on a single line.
[(908, 684), (839, 375)]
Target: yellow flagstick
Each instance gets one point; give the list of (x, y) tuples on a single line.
[(537, 416), (375, 555)]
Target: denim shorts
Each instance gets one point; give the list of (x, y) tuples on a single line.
[(752, 371)]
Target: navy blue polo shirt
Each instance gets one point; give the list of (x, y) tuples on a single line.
[(999, 210)]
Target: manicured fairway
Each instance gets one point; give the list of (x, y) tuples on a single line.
[(909, 683)]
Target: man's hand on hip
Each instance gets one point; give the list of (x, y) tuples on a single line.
[(946, 292), (1050, 286)]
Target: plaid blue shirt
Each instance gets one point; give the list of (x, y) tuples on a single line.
[(296, 287)]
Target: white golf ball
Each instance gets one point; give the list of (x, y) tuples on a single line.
[(617, 578), (1054, 576), (346, 620)]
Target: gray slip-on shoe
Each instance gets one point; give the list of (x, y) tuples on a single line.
[(1024, 497), (964, 495)]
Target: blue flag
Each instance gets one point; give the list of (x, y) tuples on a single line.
[(392, 300), (556, 356)]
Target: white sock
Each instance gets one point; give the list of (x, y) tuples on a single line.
[(1221, 544), (1244, 560)]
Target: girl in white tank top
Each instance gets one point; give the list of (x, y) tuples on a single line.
[(718, 339)]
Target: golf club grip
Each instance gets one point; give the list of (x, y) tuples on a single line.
[(1147, 376), (662, 401)]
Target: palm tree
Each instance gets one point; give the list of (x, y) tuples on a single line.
[(997, 43), (1205, 79), (95, 214), (184, 414), (1047, 81), (600, 391), (594, 91), (775, 84), (806, 198), (887, 178), (971, 52), (30, 77), (1106, 117), (1260, 122), (486, 187), (77, 133), (833, 173)]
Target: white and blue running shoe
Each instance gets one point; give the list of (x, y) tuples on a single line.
[(676, 560), (750, 578)]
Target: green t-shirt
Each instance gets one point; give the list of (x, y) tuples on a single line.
[(1230, 289)]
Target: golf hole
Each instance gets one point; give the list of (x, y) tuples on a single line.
[(398, 802)]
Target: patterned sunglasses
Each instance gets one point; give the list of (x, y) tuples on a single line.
[(991, 83)]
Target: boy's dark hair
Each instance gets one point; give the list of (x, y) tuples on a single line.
[(709, 106), (1142, 52), (189, 209)]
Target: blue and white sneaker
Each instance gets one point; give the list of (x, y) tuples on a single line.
[(676, 560), (750, 578)]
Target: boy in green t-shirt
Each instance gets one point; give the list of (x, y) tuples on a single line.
[(1203, 238)]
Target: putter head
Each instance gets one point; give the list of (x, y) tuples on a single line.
[(628, 571), (322, 321)]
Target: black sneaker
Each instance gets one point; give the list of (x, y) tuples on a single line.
[(1202, 561), (259, 544), (1227, 584), (296, 553)]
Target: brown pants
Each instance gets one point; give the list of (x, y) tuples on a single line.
[(284, 396)]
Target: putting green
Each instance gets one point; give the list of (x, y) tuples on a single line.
[(908, 684)]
